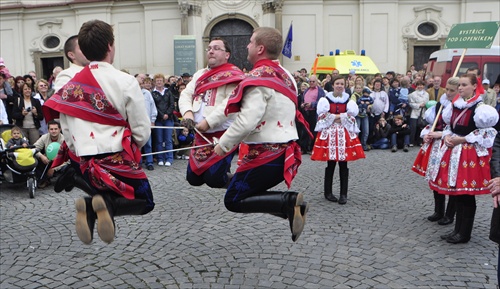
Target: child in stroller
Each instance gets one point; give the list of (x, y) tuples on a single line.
[(17, 161), (16, 139)]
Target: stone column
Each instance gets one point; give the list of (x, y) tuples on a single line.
[(278, 10), (184, 8)]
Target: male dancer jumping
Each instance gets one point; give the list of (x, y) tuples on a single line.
[(267, 104), (203, 102), (104, 116)]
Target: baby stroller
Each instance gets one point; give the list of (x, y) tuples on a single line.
[(18, 164)]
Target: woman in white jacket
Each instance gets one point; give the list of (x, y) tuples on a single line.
[(417, 101)]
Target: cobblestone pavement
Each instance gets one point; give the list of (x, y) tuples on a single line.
[(379, 239)]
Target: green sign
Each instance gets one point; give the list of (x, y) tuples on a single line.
[(472, 35), (184, 54)]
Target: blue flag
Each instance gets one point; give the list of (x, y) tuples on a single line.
[(287, 48)]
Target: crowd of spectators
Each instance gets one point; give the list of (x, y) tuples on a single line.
[(386, 101), (390, 107)]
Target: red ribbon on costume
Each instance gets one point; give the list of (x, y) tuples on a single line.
[(269, 74)]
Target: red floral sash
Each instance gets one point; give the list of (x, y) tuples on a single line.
[(201, 159), (260, 154)]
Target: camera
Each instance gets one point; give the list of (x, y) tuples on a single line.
[(28, 109)]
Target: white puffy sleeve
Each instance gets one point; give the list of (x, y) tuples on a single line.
[(352, 108), (485, 117), (430, 114), (323, 106)]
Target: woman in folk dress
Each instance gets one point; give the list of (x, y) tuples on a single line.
[(337, 139), (464, 170), (428, 151)]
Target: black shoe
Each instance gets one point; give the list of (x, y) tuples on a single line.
[(405, 148), (449, 235), (331, 198), (85, 220), (458, 239), (343, 199), (150, 168), (394, 149), (445, 221), (105, 223), (435, 217)]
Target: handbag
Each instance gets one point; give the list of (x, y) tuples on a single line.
[(421, 123)]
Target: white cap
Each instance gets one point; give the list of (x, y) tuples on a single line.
[(486, 81)]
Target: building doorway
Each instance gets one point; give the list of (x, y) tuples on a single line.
[(237, 33), (48, 65), (421, 55)]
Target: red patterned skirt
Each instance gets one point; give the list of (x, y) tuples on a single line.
[(337, 144), (462, 172), (422, 159)]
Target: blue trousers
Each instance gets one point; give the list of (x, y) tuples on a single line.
[(148, 148), (215, 177), (364, 126), (253, 182)]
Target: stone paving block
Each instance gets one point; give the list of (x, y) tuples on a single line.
[(379, 239)]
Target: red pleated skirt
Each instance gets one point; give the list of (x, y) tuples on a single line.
[(336, 144)]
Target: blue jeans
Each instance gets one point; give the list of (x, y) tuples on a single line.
[(394, 140), (148, 148), (164, 136), (364, 127), (382, 144)]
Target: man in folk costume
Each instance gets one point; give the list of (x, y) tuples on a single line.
[(203, 102), (267, 104), (106, 124)]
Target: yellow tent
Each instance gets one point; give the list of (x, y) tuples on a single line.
[(344, 62)]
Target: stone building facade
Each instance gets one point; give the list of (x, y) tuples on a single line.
[(393, 33)]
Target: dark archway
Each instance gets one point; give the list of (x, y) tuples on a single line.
[(237, 33)]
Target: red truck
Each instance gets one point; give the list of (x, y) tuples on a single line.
[(443, 62)]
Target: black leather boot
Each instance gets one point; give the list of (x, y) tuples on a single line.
[(449, 215), (278, 204), (70, 179), (85, 220), (65, 181), (458, 219), (344, 185), (439, 201), (463, 235), (105, 224), (329, 183)]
